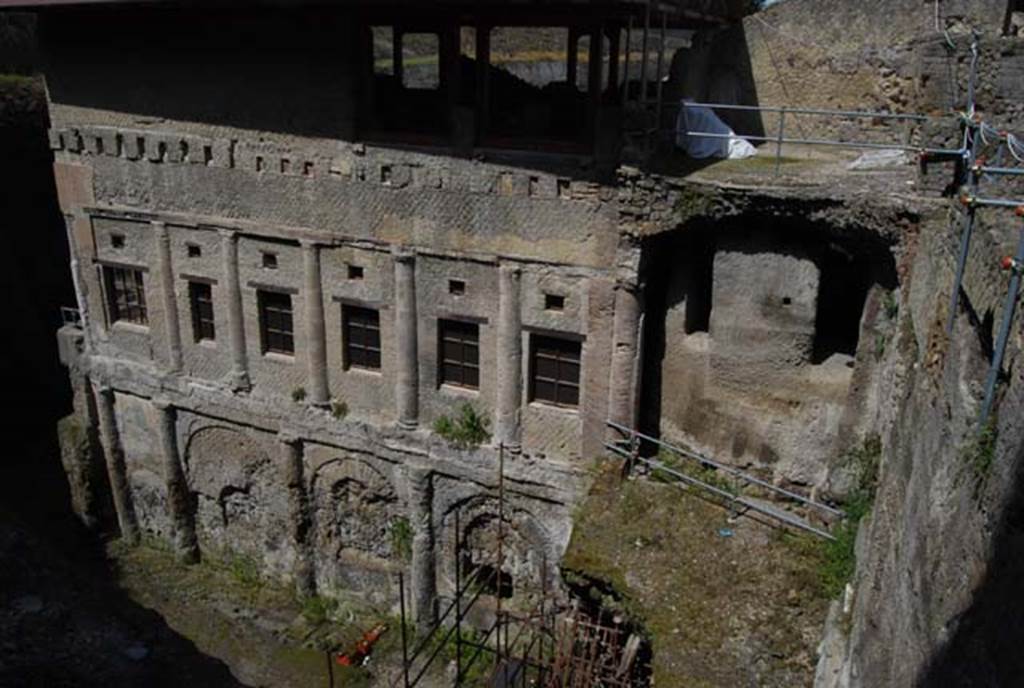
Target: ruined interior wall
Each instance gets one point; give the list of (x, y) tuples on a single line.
[(940, 553), (755, 362)]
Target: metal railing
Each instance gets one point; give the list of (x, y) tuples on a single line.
[(780, 137), (632, 439)]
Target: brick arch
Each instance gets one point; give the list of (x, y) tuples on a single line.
[(354, 506), (528, 544), (239, 501)]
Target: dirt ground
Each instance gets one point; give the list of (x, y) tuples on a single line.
[(724, 602)]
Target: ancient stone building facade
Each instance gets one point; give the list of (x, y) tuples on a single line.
[(290, 261)]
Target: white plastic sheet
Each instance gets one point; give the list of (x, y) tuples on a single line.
[(726, 144)]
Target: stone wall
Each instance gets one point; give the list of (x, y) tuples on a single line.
[(937, 562), (300, 463)]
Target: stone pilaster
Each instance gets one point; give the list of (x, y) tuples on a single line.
[(407, 359), (117, 473), (172, 324), (236, 317), (78, 281), (182, 520), (421, 512), (624, 376), (316, 332), (298, 512), (507, 427)]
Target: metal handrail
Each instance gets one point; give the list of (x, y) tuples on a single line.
[(866, 114), (735, 472)]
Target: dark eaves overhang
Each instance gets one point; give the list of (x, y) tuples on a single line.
[(685, 11)]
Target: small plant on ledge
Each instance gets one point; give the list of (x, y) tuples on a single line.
[(468, 429), (299, 395), (339, 409)]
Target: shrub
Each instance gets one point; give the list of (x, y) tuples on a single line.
[(339, 409), (299, 394), (467, 429)]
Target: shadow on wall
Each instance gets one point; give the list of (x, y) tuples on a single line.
[(985, 649)]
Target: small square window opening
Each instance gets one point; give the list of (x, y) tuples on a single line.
[(117, 240), (270, 260), (554, 302), (194, 251), (355, 272), (457, 287)]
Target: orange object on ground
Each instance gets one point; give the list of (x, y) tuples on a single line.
[(363, 648)]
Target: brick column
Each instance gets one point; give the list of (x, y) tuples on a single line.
[(236, 318), (406, 326), (316, 332), (421, 512), (298, 512), (170, 301), (510, 355), (624, 376), (117, 473), (182, 521)]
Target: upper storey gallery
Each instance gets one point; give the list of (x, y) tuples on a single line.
[(465, 79)]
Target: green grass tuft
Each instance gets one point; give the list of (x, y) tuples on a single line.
[(468, 429)]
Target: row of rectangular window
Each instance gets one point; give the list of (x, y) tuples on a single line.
[(554, 361)]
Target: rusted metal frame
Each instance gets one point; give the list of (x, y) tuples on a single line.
[(405, 640), (501, 545), (444, 639)]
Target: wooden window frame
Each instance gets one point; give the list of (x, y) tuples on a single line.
[(126, 295), (277, 322), (565, 354), (463, 368), (360, 337), (204, 327)]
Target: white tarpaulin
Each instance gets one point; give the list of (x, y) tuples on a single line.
[(725, 143)]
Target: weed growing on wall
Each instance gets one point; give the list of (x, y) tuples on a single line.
[(838, 559), (317, 610), (299, 394), (467, 429), (978, 455), (401, 538), (339, 409)]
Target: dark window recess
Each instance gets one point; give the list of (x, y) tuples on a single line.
[(355, 272), (276, 330), (194, 251), (456, 287), (491, 580), (555, 370), (117, 240), (270, 261), (126, 295), (361, 336), (200, 295), (459, 353), (842, 290), (554, 302)]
